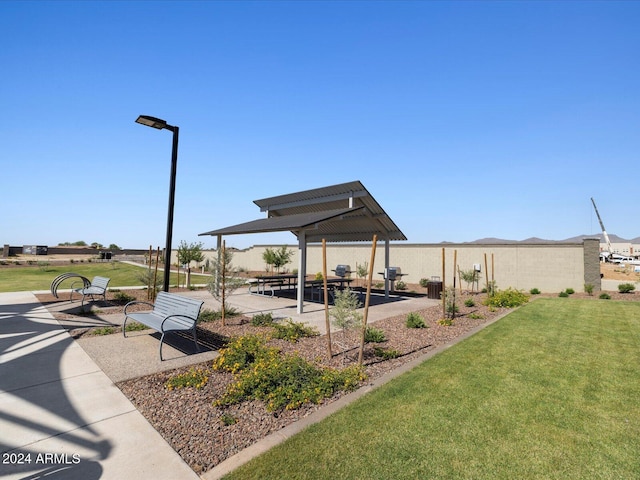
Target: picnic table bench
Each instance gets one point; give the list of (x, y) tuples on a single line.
[(97, 287), (170, 312)]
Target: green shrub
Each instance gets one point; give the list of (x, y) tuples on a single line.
[(135, 327), (563, 294), (208, 315), (570, 291), (604, 296), (386, 353), (122, 297), (227, 419), (400, 285), (446, 322), (195, 377), (626, 287), (374, 335), (103, 331), (415, 320), (508, 298), (534, 291), (424, 282), (241, 352), (588, 288), (262, 319), (475, 316), (288, 382), (469, 302), (292, 331)]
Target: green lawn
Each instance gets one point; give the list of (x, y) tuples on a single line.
[(19, 279), (552, 391)]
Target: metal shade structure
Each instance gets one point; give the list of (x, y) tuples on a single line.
[(345, 212)]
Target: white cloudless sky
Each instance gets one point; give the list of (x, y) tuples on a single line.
[(464, 120)]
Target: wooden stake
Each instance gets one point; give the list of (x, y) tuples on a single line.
[(444, 307), (224, 274), (486, 273), (326, 297), (367, 298), (155, 275), (149, 275)]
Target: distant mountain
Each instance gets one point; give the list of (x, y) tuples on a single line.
[(613, 237)]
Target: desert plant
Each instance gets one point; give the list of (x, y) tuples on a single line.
[(374, 335), (276, 259), (534, 291), (469, 302), (318, 276), (262, 319), (209, 315), (508, 298), (195, 377), (469, 276), (400, 285), (424, 282), (386, 353), (626, 287), (122, 297), (570, 291), (415, 320), (604, 296), (450, 302), (362, 270), (588, 288), (292, 331), (563, 294), (223, 281), (475, 316)]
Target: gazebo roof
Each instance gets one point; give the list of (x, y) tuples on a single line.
[(339, 213)]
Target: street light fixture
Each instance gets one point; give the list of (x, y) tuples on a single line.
[(160, 124)]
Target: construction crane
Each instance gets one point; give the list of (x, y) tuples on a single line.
[(604, 232)]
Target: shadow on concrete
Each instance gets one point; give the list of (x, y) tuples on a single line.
[(34, 404)]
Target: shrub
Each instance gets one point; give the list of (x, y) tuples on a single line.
[(288, 382), (400, 285), (292, 331), (604, 296), (374, 335), (534, 291), (135, 327), (570, 291), (588, 288), (262, 319), (475, 316), (446, 322), (104, 330), (386, 353), (424, 282), (469, 302), (122, 297), (227, 419), (241, 352), (415, 320), (208, 315), (626, 287), (508, 298), (563, 294), (195, 377)]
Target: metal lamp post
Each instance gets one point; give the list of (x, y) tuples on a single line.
[(160, 125)]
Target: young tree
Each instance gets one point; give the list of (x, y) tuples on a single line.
[(345, 313), (276, 259), (188, 253), (223, 281)]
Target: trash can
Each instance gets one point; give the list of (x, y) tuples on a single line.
[(434, 289), (107, 255)]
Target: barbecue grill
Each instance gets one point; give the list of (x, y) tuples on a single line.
[(342, 271)]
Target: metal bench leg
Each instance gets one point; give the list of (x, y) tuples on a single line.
[(161, 340), (195, 340)]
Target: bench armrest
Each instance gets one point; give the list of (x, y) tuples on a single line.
[(136, 302), (194, 320)]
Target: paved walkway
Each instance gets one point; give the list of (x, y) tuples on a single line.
[(61, 417)]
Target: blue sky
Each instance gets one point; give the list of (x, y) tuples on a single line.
[(464, 120)]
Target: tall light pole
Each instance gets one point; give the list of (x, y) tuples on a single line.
[(160, 125)]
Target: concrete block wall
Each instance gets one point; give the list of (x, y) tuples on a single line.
[(550, 267)]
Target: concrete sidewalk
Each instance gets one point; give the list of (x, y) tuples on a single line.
[(61, 417)]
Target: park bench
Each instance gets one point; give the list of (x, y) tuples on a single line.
[(170, 312), (97, 287)]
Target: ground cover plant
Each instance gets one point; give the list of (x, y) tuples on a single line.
[(549, 391)]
